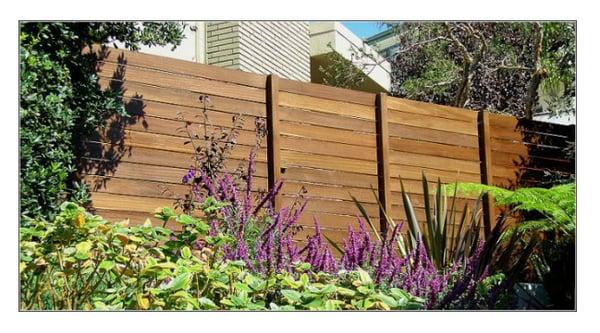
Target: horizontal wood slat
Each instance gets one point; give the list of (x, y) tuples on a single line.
[(327, 92), (141, 93), (195, 84), (433, 110), (442, 124), (328, 106)]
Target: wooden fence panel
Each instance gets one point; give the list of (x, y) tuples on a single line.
[(328, 152), (136, 164), (439, 141), (326, 143)]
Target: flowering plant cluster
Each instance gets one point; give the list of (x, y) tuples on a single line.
[(263, 238), (81, 262)]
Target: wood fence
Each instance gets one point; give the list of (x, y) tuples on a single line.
[(325, 142)]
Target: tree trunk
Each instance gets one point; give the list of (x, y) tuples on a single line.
[(538, 73)]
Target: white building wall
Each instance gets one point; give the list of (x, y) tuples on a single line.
[(281, 48), (192, 47), (263, 47)]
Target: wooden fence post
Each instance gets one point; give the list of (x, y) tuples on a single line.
[(485, 156), (383, 161), (273, 144)]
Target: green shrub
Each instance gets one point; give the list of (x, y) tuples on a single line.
[(80, 261)]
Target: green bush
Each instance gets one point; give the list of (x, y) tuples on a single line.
[(80, 261), (61, 101)]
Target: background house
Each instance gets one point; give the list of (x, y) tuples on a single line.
[(291, 49)]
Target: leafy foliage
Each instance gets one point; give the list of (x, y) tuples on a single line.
[(555, 207), (518, 68), (550, 212), (61, 101), (80, 261)]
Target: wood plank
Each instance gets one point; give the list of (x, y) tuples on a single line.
[(328, 92), (176, 66), (177, 128), (383, 161), (437, 149), (539, 136), (162, 141), (326, 119), (328, 134), (118, 153), (195, 84), (328, 191), (434, 162), (140, 93), (111, 201), (134, 187), (326, 105), (446, 176), (503, 133), (506, 172), (508, 183), (328, 148), (149, 188), (332, 222), (399, 214), (273, 135), (423, 121), (333, 206), (329, 177), (338, 236), (487, 170), (433, 110), (181, 114), (412, 187), (293, 158), (507, 146), (131, 168), (501, 120), (418, 201), (431, 135), (508, 159)]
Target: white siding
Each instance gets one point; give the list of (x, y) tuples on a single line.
[(263, 47)]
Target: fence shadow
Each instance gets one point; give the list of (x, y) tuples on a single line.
[(101, 152), (549, 157)]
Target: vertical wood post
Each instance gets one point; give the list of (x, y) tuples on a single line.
[(383, 160), (273, 143), (485, 156)]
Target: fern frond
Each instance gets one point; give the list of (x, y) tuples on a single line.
[(556, 203)]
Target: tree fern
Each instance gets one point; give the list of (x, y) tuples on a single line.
[(556, 204)]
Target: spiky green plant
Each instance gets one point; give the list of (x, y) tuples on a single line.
[(508, 255)]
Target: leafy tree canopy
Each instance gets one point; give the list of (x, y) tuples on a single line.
[(518, 68)]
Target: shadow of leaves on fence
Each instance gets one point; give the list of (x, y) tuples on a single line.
[(549, 154), (102, 152)]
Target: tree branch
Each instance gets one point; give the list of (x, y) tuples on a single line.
[(538, 74), (419, 44)]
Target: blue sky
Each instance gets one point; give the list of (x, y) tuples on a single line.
[(364, 29)]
